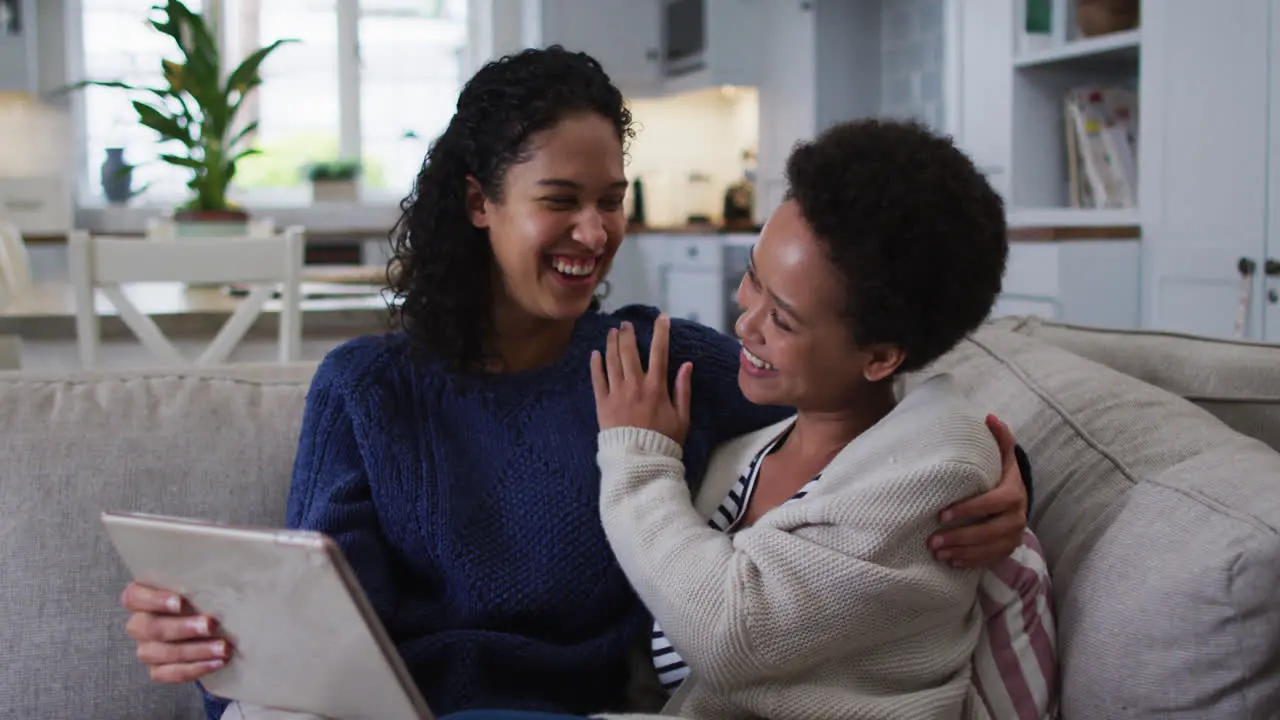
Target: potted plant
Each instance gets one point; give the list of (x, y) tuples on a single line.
[(194, 111), (334, 181)]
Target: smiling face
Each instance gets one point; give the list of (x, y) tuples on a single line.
[(559, 220), (797, 348)]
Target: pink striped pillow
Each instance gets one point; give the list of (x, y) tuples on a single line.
[(1015, 668)]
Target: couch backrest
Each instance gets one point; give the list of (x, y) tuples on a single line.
[(1160, 523), (1236, 380), (1161, 526), (214, 444)]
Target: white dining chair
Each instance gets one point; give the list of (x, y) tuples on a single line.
[(266, 265), (15, 264)]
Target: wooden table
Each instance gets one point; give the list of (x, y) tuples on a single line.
[(328, 308)]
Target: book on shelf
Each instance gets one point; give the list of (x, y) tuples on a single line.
[(1101, 126)]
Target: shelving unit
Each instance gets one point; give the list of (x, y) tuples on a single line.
[(1073, 217), (1044, 69), (1122, 46)]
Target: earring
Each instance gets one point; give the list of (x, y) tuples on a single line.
[(602, 289)]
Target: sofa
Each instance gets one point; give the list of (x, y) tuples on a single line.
[(1157, 500)]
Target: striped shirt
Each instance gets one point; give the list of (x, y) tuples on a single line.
[(671, 669)]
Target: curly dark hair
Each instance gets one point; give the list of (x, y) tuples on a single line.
[(913, 228), (441, 271)]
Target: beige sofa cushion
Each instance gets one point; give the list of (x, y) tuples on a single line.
[(1162, 530), (213, 444), (1237, 381)]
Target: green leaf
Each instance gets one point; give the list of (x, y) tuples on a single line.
[(181, 161), (242, 134), (168, 126), (103, 83), (246, 76)]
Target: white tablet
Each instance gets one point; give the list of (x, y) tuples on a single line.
[(304, 636)]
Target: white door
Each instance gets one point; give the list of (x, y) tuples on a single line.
[(622, 34), (1204, 167)]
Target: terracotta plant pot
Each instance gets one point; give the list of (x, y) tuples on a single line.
[(1100, 17)]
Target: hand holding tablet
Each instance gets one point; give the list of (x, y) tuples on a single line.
[(303, 634)]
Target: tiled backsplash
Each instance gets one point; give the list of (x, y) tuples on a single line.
[(911, 63), (704, 133)]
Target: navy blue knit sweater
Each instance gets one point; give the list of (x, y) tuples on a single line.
[(470, 511)]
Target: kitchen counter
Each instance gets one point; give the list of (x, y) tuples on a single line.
[(1018, 233)]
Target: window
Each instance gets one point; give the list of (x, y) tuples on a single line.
[(297, 104), (411, 65), (120, 44), (370, 79)]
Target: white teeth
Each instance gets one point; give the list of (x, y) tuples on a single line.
[(756, 361), (577, 268)]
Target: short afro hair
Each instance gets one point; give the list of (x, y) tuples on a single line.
[(915, 231)]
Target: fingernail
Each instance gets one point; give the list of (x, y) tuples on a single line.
[(219, 648), (173, 604), (199, 626), (214, 664), (948, 516), (944, 556), (935, 543), (626, 325)]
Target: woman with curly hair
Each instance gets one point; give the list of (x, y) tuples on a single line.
[(454, 459)]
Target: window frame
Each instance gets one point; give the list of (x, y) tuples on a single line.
[(350, 128)]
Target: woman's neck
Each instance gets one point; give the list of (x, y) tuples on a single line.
[(819, 435), (523, 342)]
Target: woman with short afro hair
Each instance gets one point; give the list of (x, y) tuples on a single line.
[(797, 584)]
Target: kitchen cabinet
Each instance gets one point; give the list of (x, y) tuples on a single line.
[(653, 48), (709, 43), (624, 35), (1082, 282), (682, 275), (694, 295), (1209, 150), (18, 46)]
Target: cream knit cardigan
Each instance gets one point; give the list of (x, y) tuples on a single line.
[(828, 607)]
